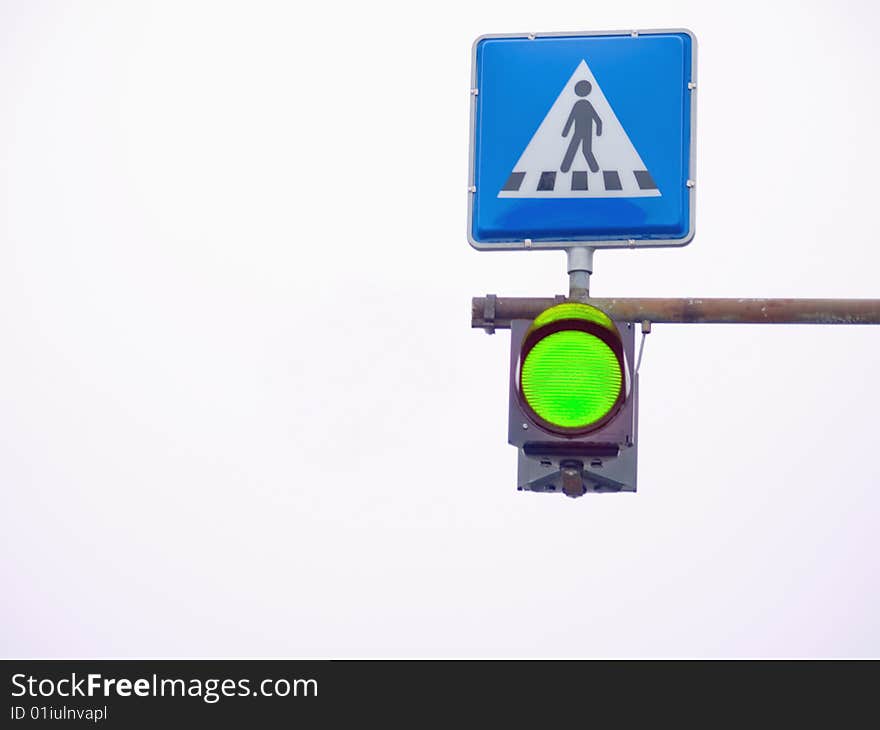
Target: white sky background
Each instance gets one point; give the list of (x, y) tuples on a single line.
[(242, 411)]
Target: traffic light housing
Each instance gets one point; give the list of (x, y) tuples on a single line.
[(573, 401)]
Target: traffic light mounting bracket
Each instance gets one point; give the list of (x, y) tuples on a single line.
[(548, 462)]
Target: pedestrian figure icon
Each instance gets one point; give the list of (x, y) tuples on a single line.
[(582, 117)]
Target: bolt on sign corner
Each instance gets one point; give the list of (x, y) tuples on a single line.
[(583, 139)]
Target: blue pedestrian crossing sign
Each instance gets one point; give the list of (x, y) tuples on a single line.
[(583, 139)]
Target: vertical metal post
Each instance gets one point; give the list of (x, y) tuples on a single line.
[(580, 266)]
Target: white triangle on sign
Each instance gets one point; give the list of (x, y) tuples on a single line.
[(557, 165)]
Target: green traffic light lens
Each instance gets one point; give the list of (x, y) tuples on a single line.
[(571, 379), (574, 310)]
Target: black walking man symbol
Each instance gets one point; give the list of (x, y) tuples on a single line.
[(582, 116)]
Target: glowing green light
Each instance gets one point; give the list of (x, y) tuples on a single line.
[(572, 310), (571, 378)]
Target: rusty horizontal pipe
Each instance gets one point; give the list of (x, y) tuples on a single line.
[(496, 312)]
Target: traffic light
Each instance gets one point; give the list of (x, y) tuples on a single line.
[(573, 401)]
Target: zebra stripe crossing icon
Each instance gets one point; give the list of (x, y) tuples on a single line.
[(580, 150)]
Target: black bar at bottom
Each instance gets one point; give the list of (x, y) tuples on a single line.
[(257, 694), (248, 694), (556, 449)]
